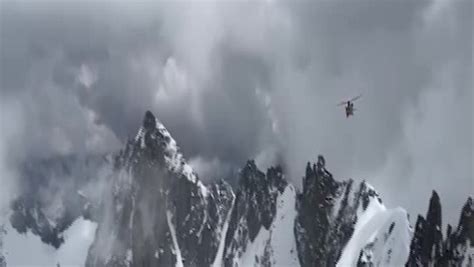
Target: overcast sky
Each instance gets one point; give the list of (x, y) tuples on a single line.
[(250, 79)]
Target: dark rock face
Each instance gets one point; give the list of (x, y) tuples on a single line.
[(27, 215), (149, 122), (50, 202), (458, 243), (314, 213), (327, 213), (428, 248), (465, 230), (254, 208), (159, 212)]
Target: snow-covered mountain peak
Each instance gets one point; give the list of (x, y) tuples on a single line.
[(154, 211), (154, 136), (149, 121)]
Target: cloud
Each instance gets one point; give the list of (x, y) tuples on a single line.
[(263, 87), (435, 149), (8, 174)]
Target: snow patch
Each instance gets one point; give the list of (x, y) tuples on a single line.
[(469, 255), (253, 249), (383, 234), (361, 233), (141, 137), (278, 243), (132, 214), (284, 246), (220, 251), (177, 251), (338, 201), (390, 243)]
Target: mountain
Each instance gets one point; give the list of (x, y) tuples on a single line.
[(158, 212), (428, 246), (49, 202), (346, 223), (152, 209)]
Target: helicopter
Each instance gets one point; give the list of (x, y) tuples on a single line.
[(349, 106)]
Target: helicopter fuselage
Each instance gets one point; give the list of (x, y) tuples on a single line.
[(349, 109)]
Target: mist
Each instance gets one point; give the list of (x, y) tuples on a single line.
[(258, 79)]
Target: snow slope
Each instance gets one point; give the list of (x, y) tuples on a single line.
[(177, 250), (276, 245), (469, 259), (382, 235), (220, 251)]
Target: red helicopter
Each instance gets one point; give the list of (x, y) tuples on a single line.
[(349, 106)]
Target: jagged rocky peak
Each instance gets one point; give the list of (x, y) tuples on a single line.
[(434, 210), (254, 215), (153, 132), (153, 137), (256, 196), (428, 247), (160, 211), (252, 180), (250, 174), (327, 213), (149, 122), (460, 244), (154, 144), (466, 222)]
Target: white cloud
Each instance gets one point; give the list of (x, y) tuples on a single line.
[(435, 151), (86, 76), (100, 139)]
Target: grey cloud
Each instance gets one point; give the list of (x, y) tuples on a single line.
[(199, 67), (394, 53), (353, 48)]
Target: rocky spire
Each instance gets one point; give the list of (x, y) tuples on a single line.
[(466, 222), (149, 121), (428, 246)]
